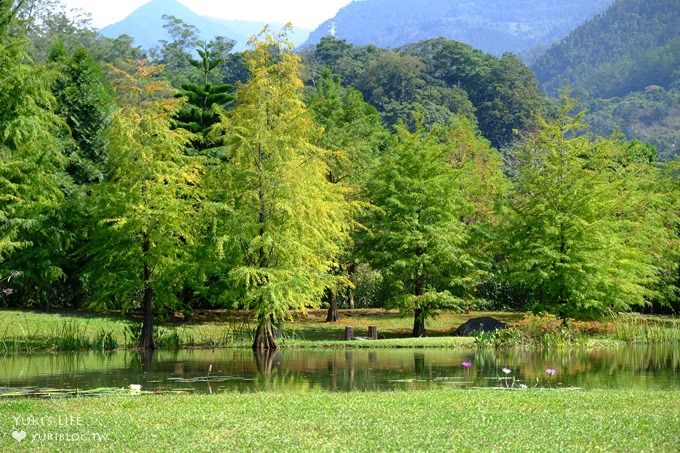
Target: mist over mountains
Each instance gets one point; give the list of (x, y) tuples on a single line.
[(494, 26)]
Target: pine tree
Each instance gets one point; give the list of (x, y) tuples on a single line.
[(204, 102), (288, 219), (144, 209)]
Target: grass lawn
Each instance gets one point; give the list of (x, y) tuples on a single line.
[(26, 331), (443, 420)]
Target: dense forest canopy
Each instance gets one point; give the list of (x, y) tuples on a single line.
[(440, 78), (434, 176)]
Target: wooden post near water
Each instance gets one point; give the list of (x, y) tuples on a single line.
[(349, 333), (373, 332)]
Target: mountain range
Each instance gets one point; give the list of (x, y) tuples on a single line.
[(494, 26), (145, 25), (624, 66)]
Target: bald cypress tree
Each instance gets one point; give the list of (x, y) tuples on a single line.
[(354, 135), (144, 209), (415, 235), (32, 177), (587, 227), (288, 219)]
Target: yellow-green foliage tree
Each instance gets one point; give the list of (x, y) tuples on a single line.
[(483, 185), (144, 210), (587, 227), (288, 219)]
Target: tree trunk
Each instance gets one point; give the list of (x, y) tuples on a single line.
[(264, 337), (147, 341), (332, 315), (418, 319), (188, 302), (418, 323), (350, 272)]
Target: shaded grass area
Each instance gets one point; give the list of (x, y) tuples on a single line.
[(26, 332), (442, 420)]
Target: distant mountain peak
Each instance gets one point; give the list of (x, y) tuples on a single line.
[(145, 25)]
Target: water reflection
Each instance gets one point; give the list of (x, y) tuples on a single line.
[(210, 371)]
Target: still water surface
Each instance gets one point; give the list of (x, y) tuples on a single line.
[(649, 367)]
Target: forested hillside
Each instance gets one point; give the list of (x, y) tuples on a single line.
[(624, 66), (441, 79), (634, 44), (494, 26)]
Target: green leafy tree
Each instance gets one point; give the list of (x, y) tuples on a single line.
[(144, 209), (508, 101), (32, 180), (84, 103), (585, 228), (414, 233), (669, 283), (354, 135), (288, 220), (175, 54), (483, 185)]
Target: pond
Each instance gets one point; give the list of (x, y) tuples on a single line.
[(649, 367)]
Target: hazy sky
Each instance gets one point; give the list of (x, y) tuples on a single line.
[(303, 13)]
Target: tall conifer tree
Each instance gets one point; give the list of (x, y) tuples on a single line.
[(586, 227), (288, 220), (32, 180), (145, 208), (415, 235)]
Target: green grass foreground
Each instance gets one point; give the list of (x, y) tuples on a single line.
[(442, 420)]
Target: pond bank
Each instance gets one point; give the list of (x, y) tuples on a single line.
[(25, 332)]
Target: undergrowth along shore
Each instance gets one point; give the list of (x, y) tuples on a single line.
[(432, 420), (24, 332)]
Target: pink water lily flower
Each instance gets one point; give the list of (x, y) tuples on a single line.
[(550, 371), (466, 364), (507, 370)]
